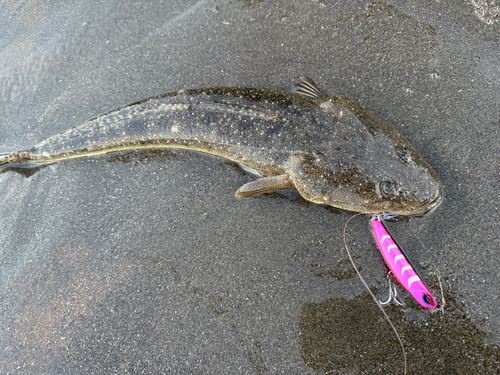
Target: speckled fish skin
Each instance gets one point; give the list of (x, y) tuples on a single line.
[(332, 150)]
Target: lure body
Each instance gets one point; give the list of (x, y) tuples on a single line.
[(400, 267)]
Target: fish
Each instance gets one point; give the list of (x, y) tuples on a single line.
[(400, 267), (332, 150)]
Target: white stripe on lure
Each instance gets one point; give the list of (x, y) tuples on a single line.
[(400, 267)]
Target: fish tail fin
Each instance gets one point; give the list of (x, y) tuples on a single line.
[(14, 158), (5, 159)]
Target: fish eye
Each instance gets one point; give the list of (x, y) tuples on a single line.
[(387, 188), (404, 155), (428, 299), (309, 156)]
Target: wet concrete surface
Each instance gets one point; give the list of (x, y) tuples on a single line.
[(146, 262)]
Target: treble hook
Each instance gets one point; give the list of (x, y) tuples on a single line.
[(393, 295)]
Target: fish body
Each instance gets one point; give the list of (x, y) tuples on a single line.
[(400, 268), (332, 150)]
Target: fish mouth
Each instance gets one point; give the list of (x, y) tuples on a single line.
[(420, 209), (430, 206), (436, 201)]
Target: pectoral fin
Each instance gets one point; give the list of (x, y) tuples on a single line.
[(265, 185)]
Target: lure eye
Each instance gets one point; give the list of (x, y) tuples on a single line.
[(428, 299), (387, 188)]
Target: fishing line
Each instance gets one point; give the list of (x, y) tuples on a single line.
[(443, 301)]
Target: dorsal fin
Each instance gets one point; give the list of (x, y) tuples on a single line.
[(308, 87)]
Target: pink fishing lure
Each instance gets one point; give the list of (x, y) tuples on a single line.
[(400, 267)]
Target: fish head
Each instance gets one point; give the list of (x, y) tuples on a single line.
[(383, 184), (368, 166)]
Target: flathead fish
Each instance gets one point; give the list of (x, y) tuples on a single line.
[(332, 150)]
